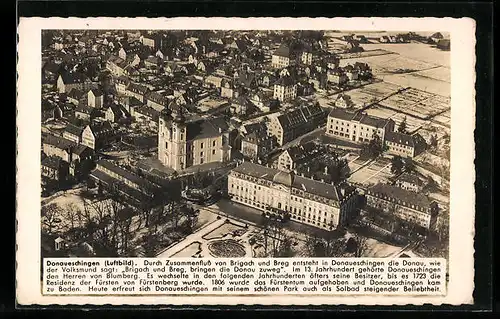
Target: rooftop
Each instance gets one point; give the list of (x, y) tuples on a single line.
[(310, 186)]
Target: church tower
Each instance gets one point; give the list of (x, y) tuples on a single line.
[(172, 136)]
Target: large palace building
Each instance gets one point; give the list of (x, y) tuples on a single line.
[(282, 193)]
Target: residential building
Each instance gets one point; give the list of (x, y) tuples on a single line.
[(138, 91), (53, 168), (405, 204), (357, 126), (410, 182), (116, 113), (73, 133), (296, 122), (156, 100), (75, 96), (147, 115), (337, 76), (405, 145), (97, 135), (306, 57), (68, 81), (344, 101), (282, 57), (295, 156), (95, 98), (285, 89), (257, 144), (121, 84), (281, 193), (182, 143)]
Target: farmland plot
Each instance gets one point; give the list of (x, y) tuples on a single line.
[(417, 103)]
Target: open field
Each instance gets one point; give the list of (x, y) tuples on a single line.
[(370, 93), (418, 103), (378, 171)]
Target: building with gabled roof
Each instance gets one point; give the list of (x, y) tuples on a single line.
[(405, 145), (283, 194), (297, 122), (357, 126), (412, 207), (285, 89)]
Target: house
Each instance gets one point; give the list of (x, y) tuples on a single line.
[(384, 39), (116, 65), (68, 81), (364, 70), (283, 194), (337, 76), (97, 135), (147, 115), (296, 122), (227, 89), (351, 72), (156, 100), (51, 71), (285, 89), (73, 133), (131, 104), (410, 182), (58, 146), (405, 145), (240, 105), (116, 113), (84, 112), (357, 127), (257, 144), (121, 84), (262, 99), (247, 79), (54, 169), (75, 96), (95, 98), (183, 143), (77, 156), (282, 57), (138, 91), (412, 207), (306, 57), (295, 156), (213, 81), (344, 101)]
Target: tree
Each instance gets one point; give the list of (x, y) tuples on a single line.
[(373, 148), (357, 245), (433, 141), (402, 126), (51, 217), (409, 165), (397, 165), (71, 213)]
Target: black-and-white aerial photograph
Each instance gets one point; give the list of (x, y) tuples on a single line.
[(215, 144)]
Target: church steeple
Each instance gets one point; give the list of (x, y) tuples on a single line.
[(177, 112)]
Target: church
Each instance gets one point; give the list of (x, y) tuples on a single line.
[(183, 143)]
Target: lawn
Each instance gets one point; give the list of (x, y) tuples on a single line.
[(226, 230)]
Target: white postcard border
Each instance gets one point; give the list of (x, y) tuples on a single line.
[(462, 198)]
